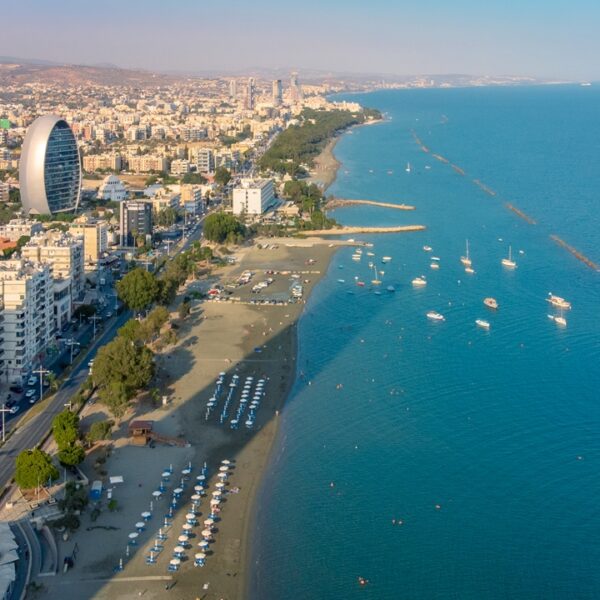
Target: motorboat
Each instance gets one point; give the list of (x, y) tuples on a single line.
[(419, 281), (435, 316), (558, 301), (491, 303), (482, 323)]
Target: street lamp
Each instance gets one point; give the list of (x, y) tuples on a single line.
[(43, 372), (94, 318), (3, 410), (71, 342)]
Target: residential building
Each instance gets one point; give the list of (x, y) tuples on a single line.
[(253, 196), (96, 162), (277, 93), (95, 241), (112, 188), (233, 89), (295, 89), (27, 293), (164, 200), (147, 163), (249, 95), (191, 199), (15, 229), (4, 191), (203, 158), (64, 255), (180, 167), (135, 221), (50, 170)]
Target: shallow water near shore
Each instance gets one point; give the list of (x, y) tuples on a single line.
[(483, 447)]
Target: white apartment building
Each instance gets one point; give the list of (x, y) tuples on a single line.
[(180, 167), (253, 196), (17, 228), (27, 293), (203, 158), (63, 254), (103, 161)]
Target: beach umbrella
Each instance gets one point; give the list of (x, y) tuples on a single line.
[(209, 522), (215, 502), (132, 537), (220, 485), (186, 471), (223, 468), (198, 488), (183, 539), (190, 516), (175, 562), (222, 476), (178, 491), (166, 474), (186, 527), (203, 544), (179, 549), (201, 478), (196, 497), (217, 493), (140, 525), (206, 533), (200, 555), (157, 494), (146, 515)]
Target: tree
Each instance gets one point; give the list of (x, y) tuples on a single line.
[(34, 468), (100, 430), (166, 217), (138, 289), (71, 456), (65, 429), (121, 368), (184, 308), (222, 176), (221, 226), (84, 310)]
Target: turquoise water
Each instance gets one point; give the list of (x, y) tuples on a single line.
[(485, 445)]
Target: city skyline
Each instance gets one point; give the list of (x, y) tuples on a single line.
[(534, 40)]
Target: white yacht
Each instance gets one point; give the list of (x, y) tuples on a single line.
[(408, 167), (434, 265), (427, 248), (482, 323), (509, 262), (419, 281), (466, 260), (558, 301)]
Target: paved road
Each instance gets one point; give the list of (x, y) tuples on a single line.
[(36, 429)]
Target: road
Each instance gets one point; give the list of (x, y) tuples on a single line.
[(31, 434)]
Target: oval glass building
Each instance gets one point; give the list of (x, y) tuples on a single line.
[(50, 169)]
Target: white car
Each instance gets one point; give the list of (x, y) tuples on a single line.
[(14, 409), (30, 393), (32, 381)]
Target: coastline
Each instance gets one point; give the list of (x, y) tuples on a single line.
[(326, 166), (238, 338)]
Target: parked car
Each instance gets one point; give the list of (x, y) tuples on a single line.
[(17, 389), (32, 381), (30, 393), (14, 409)]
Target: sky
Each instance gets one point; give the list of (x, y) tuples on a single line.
[(555, 39)]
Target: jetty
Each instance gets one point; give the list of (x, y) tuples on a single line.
[(484, 187), (458, 169), (521, 214), (441, 158), (578, 255), (340, 202), (353, 230)]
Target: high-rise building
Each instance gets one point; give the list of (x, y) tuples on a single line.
[(95, 241), (27, 294), (295, 89), (233, 89), (277, 92), (253, 196), (63, 253), (135, 221), (249, 96), (50, 170)]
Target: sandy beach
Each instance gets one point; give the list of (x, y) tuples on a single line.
[(231, 337), (325, 167)]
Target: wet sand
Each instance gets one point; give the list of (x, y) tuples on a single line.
[(231, 337)]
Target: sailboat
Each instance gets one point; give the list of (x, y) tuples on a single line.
[(376, 281), (560, 320), (465, 260), (509, 262), (408, 167)]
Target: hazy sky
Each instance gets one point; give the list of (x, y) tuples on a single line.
[(549, 38)]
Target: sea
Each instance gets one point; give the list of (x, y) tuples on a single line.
[(424, 460)]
